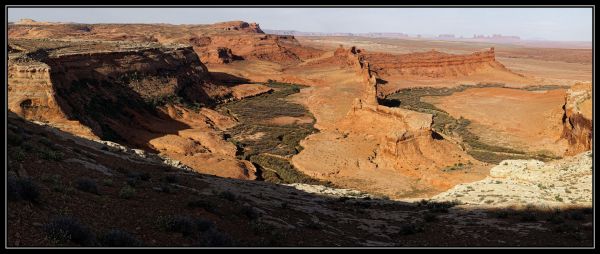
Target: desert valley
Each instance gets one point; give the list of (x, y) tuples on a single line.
[(224, 135)]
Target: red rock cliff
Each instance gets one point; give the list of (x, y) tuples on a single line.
[(432, 64), (577, 119)]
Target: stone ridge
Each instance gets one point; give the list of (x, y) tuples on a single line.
[(577, 119), (432, 64)]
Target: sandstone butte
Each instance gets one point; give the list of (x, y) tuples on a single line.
[(217, 43), (379, 149), (64, 87), (361, 144)]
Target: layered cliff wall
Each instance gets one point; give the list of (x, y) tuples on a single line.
[(406, 139), (130, 95), (31, 95), (577, 118), (433, 64), (98, 87), (216, 43)]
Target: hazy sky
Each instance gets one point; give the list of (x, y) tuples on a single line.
[(562, 24)]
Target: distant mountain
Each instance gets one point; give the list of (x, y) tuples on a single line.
[(299, 33)]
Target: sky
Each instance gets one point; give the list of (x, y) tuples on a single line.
[(557, 24)]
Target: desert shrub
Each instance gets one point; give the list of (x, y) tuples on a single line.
[(119, 238), (180, 224), (502, 214), (227, 195), (107, 182), (286, 173), (87, 185), (127, 192), (28, 147), (283, 205), (528, 217), (49, 154), (565, 228), (144, 176), (63, 230), (576, 216), (12, 188), (203, 225), (16, 154), (556, 218), (132, 181), (46, 142), (14, 139), (55, 182), (27, 190), (205, 204), (164, 188), (215, 238), (249, 212), (437, 207), (430, 217), (171, 179), (409, 229), (313, 224)]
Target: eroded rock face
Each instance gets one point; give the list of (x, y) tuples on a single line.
[(219, 55), (380, 149), (577, 119), (130, 96), (239, 26), (217, 43), (31, 95), (432, 64)]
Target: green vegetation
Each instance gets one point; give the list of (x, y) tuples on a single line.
[(119, 238), (437, 207), (64, 230), (228, 195), (277, 143), (21, 189), (87, 185), (180, 224), (409, 229), (204, 231), (127, 192), (456, 166), (107, 182), (445, 124), (204, 204), (280, 170)]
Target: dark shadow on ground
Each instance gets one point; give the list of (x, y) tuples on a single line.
[(237, 211)]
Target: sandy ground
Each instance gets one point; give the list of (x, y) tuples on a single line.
[(550, 72), (528, 120), (532, 122), (560, 66)]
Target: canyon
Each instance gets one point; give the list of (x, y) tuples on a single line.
[(305, 122)]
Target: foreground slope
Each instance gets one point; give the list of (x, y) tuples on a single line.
[(67, 191)]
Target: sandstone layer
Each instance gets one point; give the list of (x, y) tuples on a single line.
[(217, 43), (371, 147), (529, 121), (577, 119), (129, 94)]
